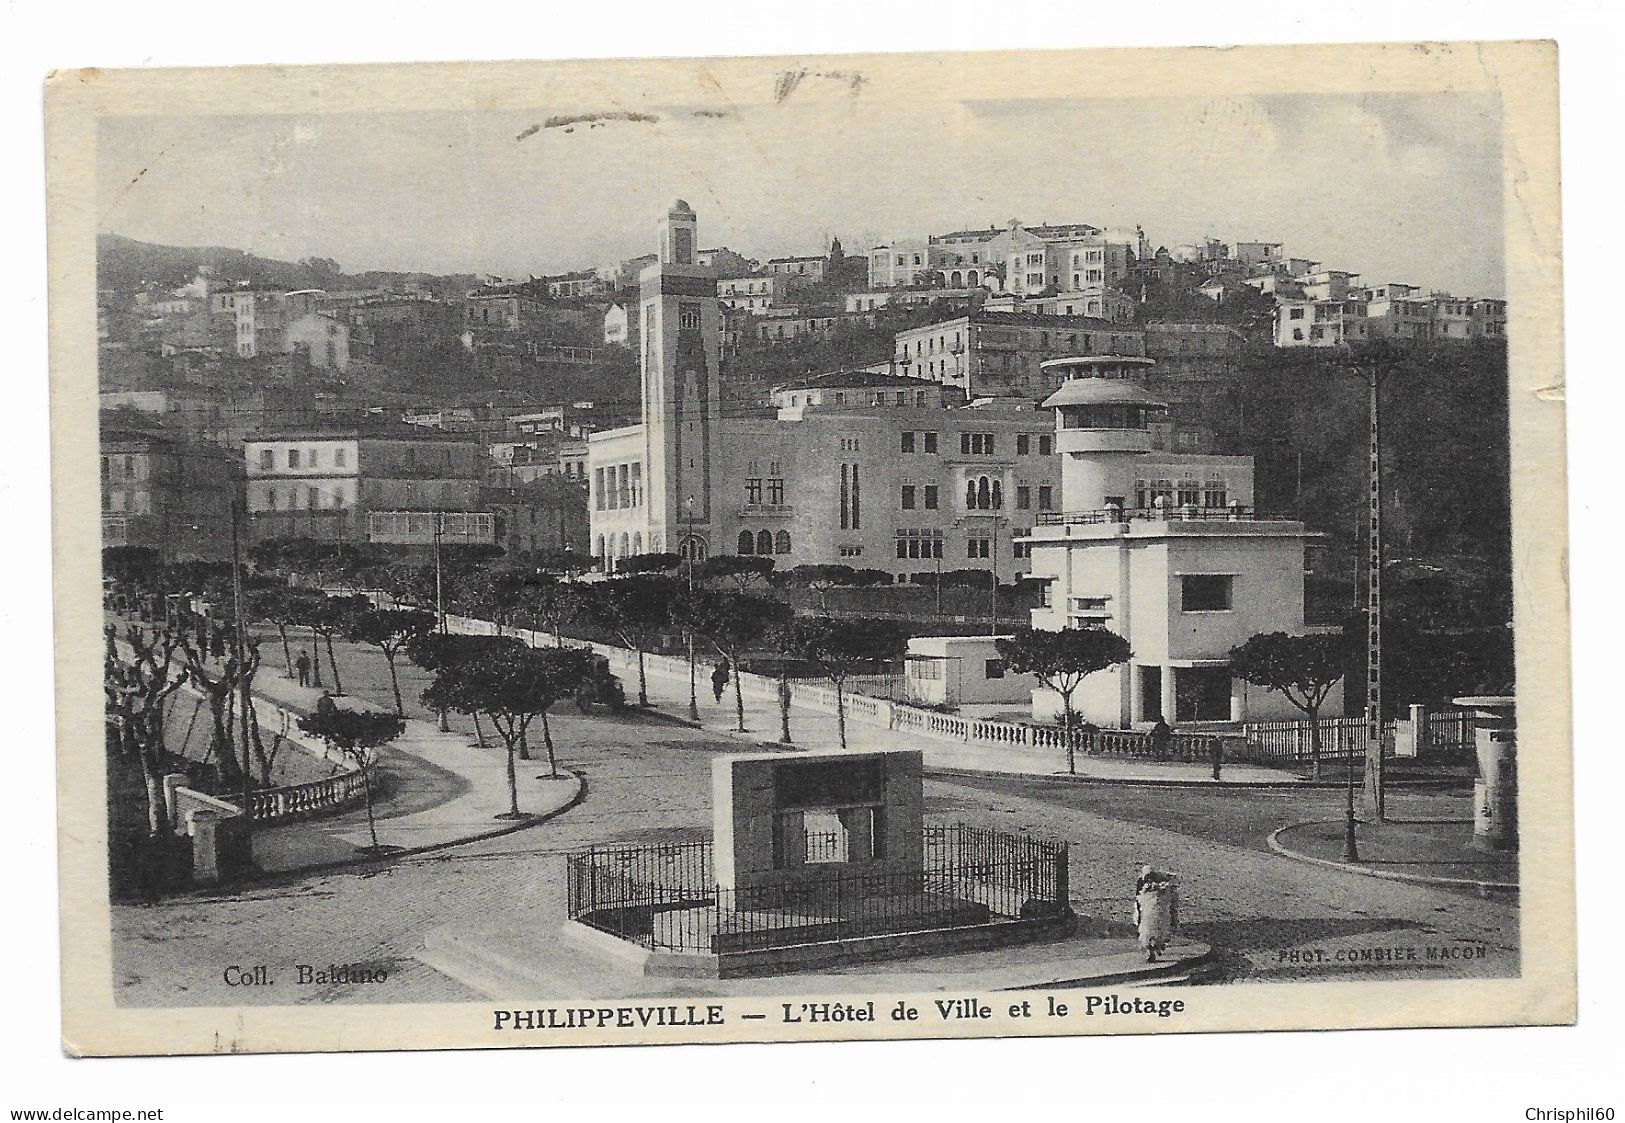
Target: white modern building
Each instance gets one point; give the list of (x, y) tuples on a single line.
[(1165, 549)]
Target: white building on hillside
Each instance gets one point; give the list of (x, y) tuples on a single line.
[(1166, 550)]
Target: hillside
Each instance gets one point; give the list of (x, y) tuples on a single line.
[(127, 265)]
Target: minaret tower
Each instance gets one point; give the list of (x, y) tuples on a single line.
[(682, 398)]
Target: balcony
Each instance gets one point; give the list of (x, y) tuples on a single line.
[(1126, 515)]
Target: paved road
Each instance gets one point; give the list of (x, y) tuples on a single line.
[(1270, 917)]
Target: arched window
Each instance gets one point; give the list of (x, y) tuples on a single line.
[(626, 545), (998, 496), (747, 542), (601, 551), (764, 543), (637, 543), (781, 542), (972, 278), (970, 495), (984, 500)]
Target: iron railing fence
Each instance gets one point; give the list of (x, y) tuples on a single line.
[(665, 895)]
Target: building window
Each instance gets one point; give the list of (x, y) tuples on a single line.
[(1046, 445), (908, 497), (338, 458), (265, 457), (930, 497), (1022, 444), (781, 542), (1024, 497), (764, 542), (993, 668), (978, 548), (293, 458), (747, 542), (908, 442), (775, 491), (753, 491), (930, 441), (1206, 592), (1046, 497)]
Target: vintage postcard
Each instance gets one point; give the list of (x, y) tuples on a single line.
[(758, 549)]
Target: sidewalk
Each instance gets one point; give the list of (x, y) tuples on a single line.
[(1427, 852), (437, 789), (814, 729)]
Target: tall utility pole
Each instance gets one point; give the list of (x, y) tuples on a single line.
[(439, 589), (240, 654), (1374, 794)]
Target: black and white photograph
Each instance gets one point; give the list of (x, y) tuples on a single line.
[(788, 549)]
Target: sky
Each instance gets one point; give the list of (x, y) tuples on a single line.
[(1397, 187)]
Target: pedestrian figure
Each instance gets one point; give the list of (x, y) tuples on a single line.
[(325, 704), (1156, 910), (719, 679), (302, 665), (1161, 735), (217, 643), (1215, 755)]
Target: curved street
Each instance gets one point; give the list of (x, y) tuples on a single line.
[(1268, 917)]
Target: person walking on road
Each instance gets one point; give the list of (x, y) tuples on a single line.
[(1215, 755), (302, 665), (719, 680)]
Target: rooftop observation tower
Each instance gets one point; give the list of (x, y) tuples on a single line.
[(1164, 548)]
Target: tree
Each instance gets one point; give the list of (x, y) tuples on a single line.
[(743, 570), (135, 687), (1302, 669), (436, 651), (512, 686), (731, 623), (133, 571), (821, 578), (637, 609), (358, 734), (648, 563), (329, 616), (1061, 661), (566, 562), (841, 648), (222, 689), (284, 607), (554, 603), (389, 630), (495, 594)]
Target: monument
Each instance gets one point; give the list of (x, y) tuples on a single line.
[(817, 858)]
